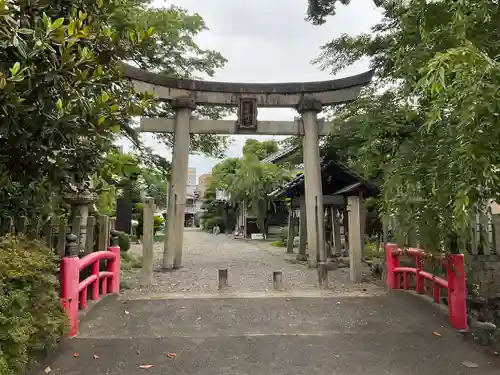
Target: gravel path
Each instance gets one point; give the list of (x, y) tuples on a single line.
[(250, 266)]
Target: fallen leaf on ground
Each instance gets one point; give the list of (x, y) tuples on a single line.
[(145, 366), (96, 356), (126, 312), (47, 369), (171, 355), (437, 334), (76, 355), (470, 364)]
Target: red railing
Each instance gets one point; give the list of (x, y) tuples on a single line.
[(74, 291), (455, 284)]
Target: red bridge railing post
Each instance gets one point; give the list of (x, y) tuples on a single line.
[(95, 287), (457, 291), (70, 278), (420, 281), (114, 265), (392, 261)]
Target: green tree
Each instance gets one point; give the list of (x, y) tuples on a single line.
[(131, 174), (260, 149), (61, 97), (155, 183), (224, 173), (429, 130), (252, 184), (216, 212), (172, 51), (249, 180), (118, 176)]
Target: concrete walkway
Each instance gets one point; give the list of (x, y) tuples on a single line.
[(351, 330)]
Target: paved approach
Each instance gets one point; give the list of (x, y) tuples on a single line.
[(183, 326)]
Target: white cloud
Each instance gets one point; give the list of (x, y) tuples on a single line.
[(269, 41)]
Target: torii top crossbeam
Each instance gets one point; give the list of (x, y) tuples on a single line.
[(278, 95)]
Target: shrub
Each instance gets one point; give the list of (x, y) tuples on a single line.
[(158, 222), (123, 241), (130, 261), (31, 318), (210, 223)]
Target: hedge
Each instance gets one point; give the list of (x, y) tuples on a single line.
[(31, 319)]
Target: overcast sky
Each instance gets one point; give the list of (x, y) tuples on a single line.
[(269, 41)]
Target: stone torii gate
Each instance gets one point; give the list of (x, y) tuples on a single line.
[(308, 98)]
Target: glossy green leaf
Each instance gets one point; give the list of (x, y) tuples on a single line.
[(15, 69), (57, 24)]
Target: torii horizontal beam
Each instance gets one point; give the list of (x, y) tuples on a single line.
[(167, 125), (279, 95), (328, 200)]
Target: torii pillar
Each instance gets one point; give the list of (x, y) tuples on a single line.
[(309, 107), (174, 241)]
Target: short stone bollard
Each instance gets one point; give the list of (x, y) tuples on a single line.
[(277, 280), (323, 275), (222, 279)]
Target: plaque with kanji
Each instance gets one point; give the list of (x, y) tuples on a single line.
[(247, 114)]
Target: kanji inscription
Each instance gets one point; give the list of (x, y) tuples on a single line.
[(247, 114)]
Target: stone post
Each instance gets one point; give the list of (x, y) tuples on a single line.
[(165, 230), (354, 209), (223, 284), (322, 266), (245, 229), (172, 256), (337, 246), (345, 231), (278, 280), (309, 107), (302, 232), (193, 224), (364, 214), (291, 231), (238, 220), (124, 208), (146, 276), (329, 246)]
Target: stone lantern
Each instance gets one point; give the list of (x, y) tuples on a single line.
[(80, 203)]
